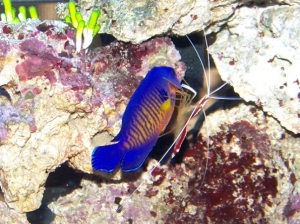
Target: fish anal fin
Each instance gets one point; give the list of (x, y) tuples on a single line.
[(134, 158)]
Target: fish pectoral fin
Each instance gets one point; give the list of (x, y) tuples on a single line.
[(107, 158), (134, 158)]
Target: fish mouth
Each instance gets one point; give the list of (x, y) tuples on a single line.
[(172, 84), (174, 88)]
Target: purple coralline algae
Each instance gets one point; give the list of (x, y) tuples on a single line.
[(292, 209), (56, 105), (244, 177)]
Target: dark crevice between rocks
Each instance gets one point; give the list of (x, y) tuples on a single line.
[(2, 196), (4, 94), (59, 183), (194, 72)]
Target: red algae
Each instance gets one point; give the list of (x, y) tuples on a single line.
[(33, 67), (76, 80), (33, 46), (129, 62), (235, 188), (51, 76), (41, 61), (37, 61), (6, 29), (249, 137), (154, 214), (151, 193), (43, 27)]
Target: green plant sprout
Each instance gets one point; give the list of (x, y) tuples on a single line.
[(85, 31), (32, 12), (79, 30), (10, 15), (8, 10), (72, 11), (22, 13)]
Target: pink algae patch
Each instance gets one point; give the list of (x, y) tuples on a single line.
[(38, 60), (32, 67)]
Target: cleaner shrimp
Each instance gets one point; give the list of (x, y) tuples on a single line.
[(186, 112)]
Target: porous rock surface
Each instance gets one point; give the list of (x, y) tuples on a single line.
[(250, 174), (259, 54), (258, 41), (55, 103), (137, 21), (10, 216), (55, 107)]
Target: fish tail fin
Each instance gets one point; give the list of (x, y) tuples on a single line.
[(107, 158)]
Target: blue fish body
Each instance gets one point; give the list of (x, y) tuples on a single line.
[(146, 116)]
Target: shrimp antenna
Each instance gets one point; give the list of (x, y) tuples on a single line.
[(207, 77), (207, 146), (208, 81), (190, 89)]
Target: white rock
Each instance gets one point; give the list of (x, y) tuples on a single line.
[(258, 54)]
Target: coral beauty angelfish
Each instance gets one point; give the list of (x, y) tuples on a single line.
[(146, 116)]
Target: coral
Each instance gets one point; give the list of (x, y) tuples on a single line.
[(265, 71), (56, 104), (246, 180), (87, 30)]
